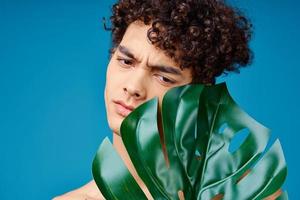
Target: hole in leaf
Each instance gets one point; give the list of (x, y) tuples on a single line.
[(238, 139), (222, 128), (275, 195), (243, 176), (218, 197), (161, 135), (197, 154), (180, 195)]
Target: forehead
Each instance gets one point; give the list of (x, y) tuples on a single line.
[(136, 40)]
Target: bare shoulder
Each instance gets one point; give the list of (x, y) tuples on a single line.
[(89, 191)]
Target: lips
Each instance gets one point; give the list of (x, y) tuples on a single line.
[(123, 109)]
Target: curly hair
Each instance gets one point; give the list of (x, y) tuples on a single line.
[(208, 36)]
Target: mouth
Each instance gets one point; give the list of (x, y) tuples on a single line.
[(123, 109)]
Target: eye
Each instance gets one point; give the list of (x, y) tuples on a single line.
[(165, 80), (125, 62)]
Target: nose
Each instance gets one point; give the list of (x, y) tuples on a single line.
[(135, 86)]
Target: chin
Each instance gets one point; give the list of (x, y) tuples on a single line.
[(115, 124), (116, 131)]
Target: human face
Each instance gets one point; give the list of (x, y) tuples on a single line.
[(137, 72)]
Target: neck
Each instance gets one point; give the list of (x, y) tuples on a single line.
[(120, 148)]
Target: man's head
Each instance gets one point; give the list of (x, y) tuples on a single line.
[(159, 44)]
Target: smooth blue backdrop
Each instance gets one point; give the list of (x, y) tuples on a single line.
[(53, 57)]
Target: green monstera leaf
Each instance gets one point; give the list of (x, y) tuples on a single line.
[(199, 126)]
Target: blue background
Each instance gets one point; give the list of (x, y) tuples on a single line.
[(53, 58)]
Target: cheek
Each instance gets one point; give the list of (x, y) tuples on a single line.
[(161, 91), (111, 79), (156, 90), (108, 84)]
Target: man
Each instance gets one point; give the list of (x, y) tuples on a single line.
[(159, 44)]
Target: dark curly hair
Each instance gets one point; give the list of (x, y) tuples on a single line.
[(208, 36)]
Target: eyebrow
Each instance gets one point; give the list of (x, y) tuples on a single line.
[(167, 69), (126, 51)]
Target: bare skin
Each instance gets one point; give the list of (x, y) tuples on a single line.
[(136, 73), (86, 192), (90, 191)]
